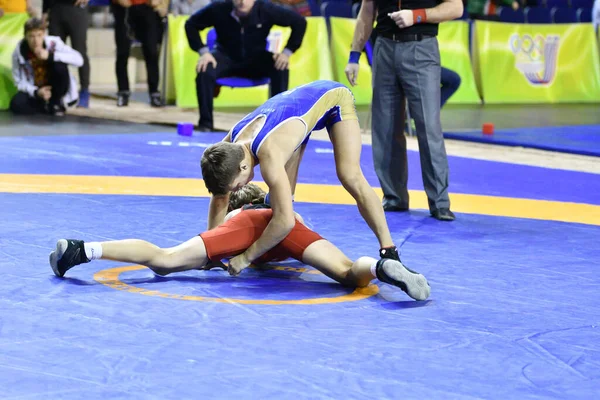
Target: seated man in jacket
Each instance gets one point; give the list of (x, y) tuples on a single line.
[(41, 74), (242, 28)]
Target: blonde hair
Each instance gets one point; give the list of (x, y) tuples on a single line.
[(247, 194)]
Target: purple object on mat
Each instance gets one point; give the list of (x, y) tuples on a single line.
[(185, 129)]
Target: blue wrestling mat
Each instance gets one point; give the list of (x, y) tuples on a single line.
[(580, 139), (513, 312)]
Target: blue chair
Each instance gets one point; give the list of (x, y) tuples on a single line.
[(507, 14), (537, 15), (563, 15), (234, 81), (575, 4), (341, 9), (550, 4), (584, 15)]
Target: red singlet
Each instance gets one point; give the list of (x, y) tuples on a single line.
[(238, 233)]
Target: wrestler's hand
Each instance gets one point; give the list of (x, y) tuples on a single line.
[(352, 73), (402, 18), (237, 264)]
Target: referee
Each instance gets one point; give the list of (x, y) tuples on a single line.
[(406, 66)]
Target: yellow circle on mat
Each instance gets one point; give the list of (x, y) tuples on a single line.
[(110, 278)]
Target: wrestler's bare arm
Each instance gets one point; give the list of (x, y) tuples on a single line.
[(272, 168), (292, 167), (217, 209), (284, 141)]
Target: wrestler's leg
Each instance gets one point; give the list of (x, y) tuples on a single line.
[(163, 261), (347, 145), (330, 260), (183, 257)]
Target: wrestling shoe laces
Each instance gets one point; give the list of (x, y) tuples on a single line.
[(68, 253), (389, 252)]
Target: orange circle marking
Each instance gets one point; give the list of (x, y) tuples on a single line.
[(110, 277)]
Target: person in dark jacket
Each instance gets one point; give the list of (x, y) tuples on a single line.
[(242, 28), (70, 19)]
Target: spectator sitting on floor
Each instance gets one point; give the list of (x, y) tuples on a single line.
[(242, 28), (41, 74)]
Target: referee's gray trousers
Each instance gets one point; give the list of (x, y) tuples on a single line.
[(411, 71)]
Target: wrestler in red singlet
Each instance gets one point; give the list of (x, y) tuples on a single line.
[(234, 236)]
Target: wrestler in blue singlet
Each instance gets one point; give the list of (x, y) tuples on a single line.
[(318, 105)]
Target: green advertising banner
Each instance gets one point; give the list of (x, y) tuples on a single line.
[(527, 63), (309, 63), (342, 32), (11, 31), (454, 53), (453, 38)]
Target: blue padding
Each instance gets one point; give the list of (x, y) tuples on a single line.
[(584, 139), (513, 312), (153, 154)]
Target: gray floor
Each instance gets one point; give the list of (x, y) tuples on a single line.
[(461, 117), (454, 118), (458, 117), (41, 125)]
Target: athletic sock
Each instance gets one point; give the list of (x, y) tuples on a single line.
[(374, 269), (93, 250)]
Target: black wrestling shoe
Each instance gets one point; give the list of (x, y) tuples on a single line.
[(395, 273), (68, 253), (389, 252)]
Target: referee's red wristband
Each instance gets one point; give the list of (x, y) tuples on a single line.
[(419, 16)]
